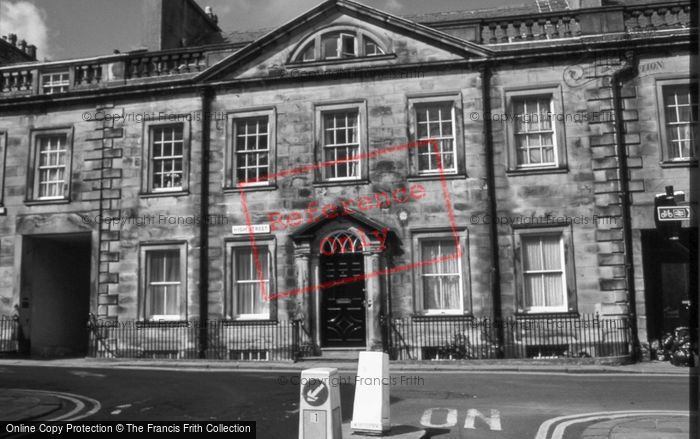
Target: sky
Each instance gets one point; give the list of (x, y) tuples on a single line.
[(63, 29)]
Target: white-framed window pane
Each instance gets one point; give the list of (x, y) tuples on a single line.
[(543, 271), (51, 169), (348, 45), (681, 110), (330, 45), (441, 280), (248, 280), (436, 122), (252, 149), (167, 148), (372, 48), (309, 53), (341, 145), (55, 82), (534, 131), (164, 282)]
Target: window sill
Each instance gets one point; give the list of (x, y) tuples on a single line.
[(362, 182), (164, 194), (436, 316), (333, 61), (691, 163), (535, 171), (243, 321), (546, 314), (177, 322), (237, 189), (436, 177), (42, 202)]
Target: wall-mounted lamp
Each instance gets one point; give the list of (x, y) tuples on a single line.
[(402, 216)]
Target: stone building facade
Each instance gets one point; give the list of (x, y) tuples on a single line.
[(350, 168)]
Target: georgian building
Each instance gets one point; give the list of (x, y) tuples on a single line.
[(372, 177)]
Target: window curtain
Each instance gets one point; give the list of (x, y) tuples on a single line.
[(440, 280), (542, 254), (164, 282), (249, 298)]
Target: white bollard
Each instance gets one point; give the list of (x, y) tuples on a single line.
[(371, 409), (319, 404)]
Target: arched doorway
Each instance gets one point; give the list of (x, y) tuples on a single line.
[(339, 260), (343, 313)]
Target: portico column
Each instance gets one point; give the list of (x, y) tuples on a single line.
[(303, 308), (373, 297)]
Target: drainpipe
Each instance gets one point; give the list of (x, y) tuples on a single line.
[(491, 188), (206, 97), (628, 70)]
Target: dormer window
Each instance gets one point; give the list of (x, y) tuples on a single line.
[(338, 44)]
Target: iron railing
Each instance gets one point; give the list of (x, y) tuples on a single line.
[(9, 335), (253, 341), (225, 340), (543, 337)]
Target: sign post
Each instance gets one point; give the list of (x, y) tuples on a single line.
[(668, 214), (371, 409), (319, 404)]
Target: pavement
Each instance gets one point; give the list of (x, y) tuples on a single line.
[(648, 367), (656, 427)]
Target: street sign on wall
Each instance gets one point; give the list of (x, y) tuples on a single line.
[(253, 228), (673, 213)]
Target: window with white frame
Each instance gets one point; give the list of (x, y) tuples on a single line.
[(372, 48), (341, 145), (57, 82), (52, 158), (544, 273), (252, 149), (167, 158), (436, 121), (164, 277), (338, 43), (442, 278), (681, 119), (250, 291), (535, 137)]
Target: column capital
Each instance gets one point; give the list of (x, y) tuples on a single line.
[(302, 249)]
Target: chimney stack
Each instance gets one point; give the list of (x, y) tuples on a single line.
[(169, 24), (210, 13)]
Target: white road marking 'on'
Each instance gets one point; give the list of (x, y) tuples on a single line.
[(494, 422), (450, 420), (543, 431)]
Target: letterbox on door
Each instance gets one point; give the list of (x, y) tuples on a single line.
[(319, 404)]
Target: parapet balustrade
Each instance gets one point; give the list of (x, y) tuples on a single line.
[(150, 65), (113, 70), (541, 27), (657, 17), (119, 69)]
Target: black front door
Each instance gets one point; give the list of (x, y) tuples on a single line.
[(343, 305)]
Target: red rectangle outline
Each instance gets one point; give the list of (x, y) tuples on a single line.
[(307, 168)]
